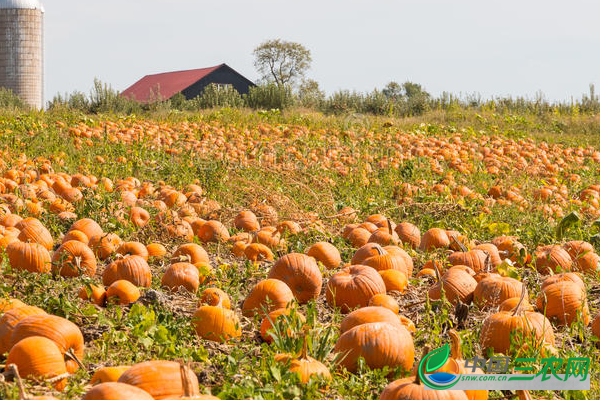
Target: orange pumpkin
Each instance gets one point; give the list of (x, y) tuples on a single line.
[(457, 284), (491, 250), (434, 238), (494, 289), (38, 357), (32, 231), (74, 258), (411, 388), (61, 331), (32, 257), (130, 268), (358, 237), (161, 379), (116, 390), (474, 259), (108, 374), (269, 291), (306, 367), (257, 252), (583, 255), (511, 303), (76, 235), (408, 234), (156, 250), (124, 291), (367, 315), (564, 301), (326, 253), (289, 228), (214, 297), (379, 343), (394, 280), (139, 216), (104, 245), (353, 287), (524, 326), (270, 319), (596, 326), (10, 319), (190, 252), (133, 249), (269, 236), (383, 258), (8, 304), (216, 323), (552, 258), (384, 300), (94, 292), (246, 221), (181, 275), (87, 226), (301, 273), (212, 231)]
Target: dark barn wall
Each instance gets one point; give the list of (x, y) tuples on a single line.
[(224, 75)]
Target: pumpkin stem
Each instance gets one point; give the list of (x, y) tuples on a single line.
[(379, 250), (461, 246), (70, 354), (456, 345), (523, 395), (15, 371), (426, 349), (220, 303), (389, 223), (304, 353), (188, 386), (488, 261), (437, 271), (78, 263), (517, 309)]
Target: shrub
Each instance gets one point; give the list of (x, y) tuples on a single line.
[(310, 95), (343, 101), (10, 100), (215, 96), (269, 96), (104, 99), (74, 101)]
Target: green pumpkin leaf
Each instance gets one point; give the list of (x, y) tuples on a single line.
[(507, 269), (437, 358), (566, 223)]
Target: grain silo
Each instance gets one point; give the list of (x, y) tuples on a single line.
[(22, 49)]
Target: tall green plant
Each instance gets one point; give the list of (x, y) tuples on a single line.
[(270, 96), (8, 99)]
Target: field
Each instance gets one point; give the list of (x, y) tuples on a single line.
[(522, 182)]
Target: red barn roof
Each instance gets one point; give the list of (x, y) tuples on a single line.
[(167, 84)]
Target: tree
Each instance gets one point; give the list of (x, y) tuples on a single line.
[(281, 61), (414, 90), (393, 90), (310, 94)]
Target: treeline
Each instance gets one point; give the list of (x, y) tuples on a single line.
[(394, 100)]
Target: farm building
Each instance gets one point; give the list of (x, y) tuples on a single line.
[(190, 83)]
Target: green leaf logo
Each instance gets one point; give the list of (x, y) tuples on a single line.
[(437, 358)]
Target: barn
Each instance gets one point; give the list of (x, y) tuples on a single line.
[(190, 83)]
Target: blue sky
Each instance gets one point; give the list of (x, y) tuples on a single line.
[(463, 46)]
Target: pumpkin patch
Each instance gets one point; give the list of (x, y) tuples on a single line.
[(251, 255)]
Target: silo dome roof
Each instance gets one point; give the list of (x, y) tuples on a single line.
[(27, 4)]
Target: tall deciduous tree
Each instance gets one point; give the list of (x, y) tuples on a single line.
[(281, 61)]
